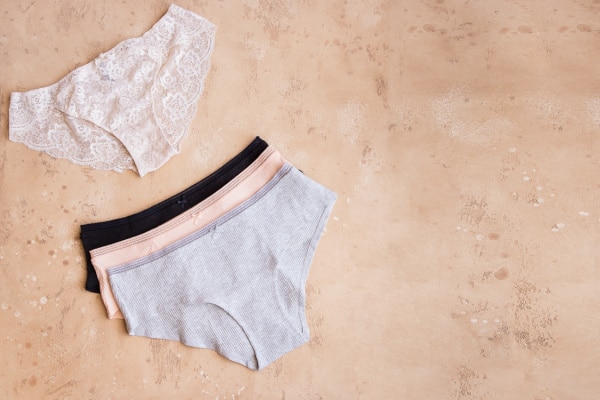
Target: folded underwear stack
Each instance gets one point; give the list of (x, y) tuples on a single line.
[(221, 265), (224, 271)]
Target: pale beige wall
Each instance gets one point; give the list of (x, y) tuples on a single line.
[(461, 260)]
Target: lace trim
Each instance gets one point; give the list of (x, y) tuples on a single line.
[(130, 107)]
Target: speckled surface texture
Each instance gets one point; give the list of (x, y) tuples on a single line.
[(461, 260)]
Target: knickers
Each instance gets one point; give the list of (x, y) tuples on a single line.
[(104, 233), (130, 107), (223, 264), (237, 286), (242, 187)]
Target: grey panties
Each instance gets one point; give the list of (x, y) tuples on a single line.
[(236, 286)]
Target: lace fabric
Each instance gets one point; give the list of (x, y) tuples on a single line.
[(130, 107)]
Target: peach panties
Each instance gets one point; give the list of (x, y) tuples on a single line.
[(242, 187)]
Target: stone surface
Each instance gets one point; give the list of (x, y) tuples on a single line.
[(462, 257)]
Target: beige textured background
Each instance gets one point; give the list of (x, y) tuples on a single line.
[(462, 257)]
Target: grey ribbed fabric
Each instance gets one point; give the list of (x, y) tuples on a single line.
[(236, 286)]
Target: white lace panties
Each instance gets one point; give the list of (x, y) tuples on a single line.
[(130, 107)]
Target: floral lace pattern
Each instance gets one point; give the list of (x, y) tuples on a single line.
[(130, 107)]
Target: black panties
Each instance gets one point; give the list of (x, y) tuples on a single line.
[(104, 233)]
